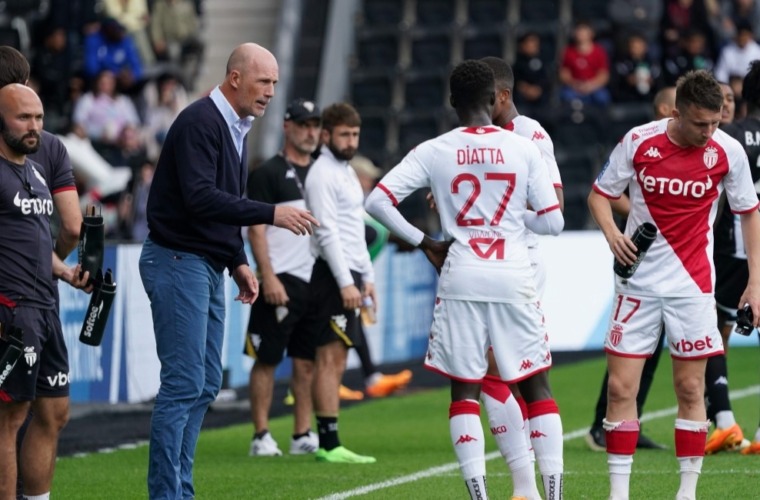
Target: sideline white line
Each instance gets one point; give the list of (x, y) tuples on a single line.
[(442, 469)]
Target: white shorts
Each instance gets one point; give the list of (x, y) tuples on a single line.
[(463, 330), (690, 325)]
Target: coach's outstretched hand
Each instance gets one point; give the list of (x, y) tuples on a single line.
[(294, 219), (436, 251)]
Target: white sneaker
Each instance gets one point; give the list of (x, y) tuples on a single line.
[(264, 446), (305, 444)]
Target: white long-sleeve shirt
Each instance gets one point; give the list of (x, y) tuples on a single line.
[(336, 199)]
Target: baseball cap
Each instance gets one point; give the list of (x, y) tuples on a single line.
[(301, 110)]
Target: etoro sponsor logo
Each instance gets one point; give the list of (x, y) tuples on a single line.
[(676, 187), (36, 206)]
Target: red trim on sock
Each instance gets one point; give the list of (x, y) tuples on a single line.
[(543, 407), (622, 442), (496, 388), (523, 407), (464, 408), (690, 443), (5, 397)]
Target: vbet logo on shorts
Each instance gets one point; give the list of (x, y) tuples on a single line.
[(686, 346), (60, 379)]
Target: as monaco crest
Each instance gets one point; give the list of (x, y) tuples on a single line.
[(710, 157), (616, 335)]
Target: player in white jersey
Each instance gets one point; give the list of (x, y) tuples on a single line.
[(542, 422), (675, 170), (482, 178)]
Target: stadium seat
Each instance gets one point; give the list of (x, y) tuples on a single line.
[(481, 44), (415, 129), (547, 32), (435, 13), (424, 91), (486, 12), (10, 36), (379, 13), (540, 10), (372, 90), (373, 132), (378, 51), (591, 10), (578, 167), (576, 212), (572, 130), (431, 50)]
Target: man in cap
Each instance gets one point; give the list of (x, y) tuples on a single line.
[(284, 263)]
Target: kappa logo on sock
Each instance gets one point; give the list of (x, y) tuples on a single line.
[(465, 438), (537, 434)]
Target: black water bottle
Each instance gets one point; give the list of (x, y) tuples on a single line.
[(95, 320), (642, 237)]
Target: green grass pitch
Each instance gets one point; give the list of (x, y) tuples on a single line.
[(409, 436)]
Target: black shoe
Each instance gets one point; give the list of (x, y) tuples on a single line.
[(596, 439), (647, 444)]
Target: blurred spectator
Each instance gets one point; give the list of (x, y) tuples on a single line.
[(111, 48), (133, 15), (54, 73), (175, 31), (692, 56), (736, 11), (735, 57), (634, 73), (163, 99), (78, 18), (585, 71), (637, 16), (531, 77), (133, 221), (102, 113), (680, 17), (128, 150)]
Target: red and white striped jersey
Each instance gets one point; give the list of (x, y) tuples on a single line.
[(677, 189)]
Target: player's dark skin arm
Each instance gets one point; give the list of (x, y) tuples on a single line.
[(435, 251)]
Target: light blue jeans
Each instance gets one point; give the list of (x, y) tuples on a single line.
[(187, 300)]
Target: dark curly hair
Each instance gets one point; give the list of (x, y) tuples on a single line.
[(502, 72), (471, 83)]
